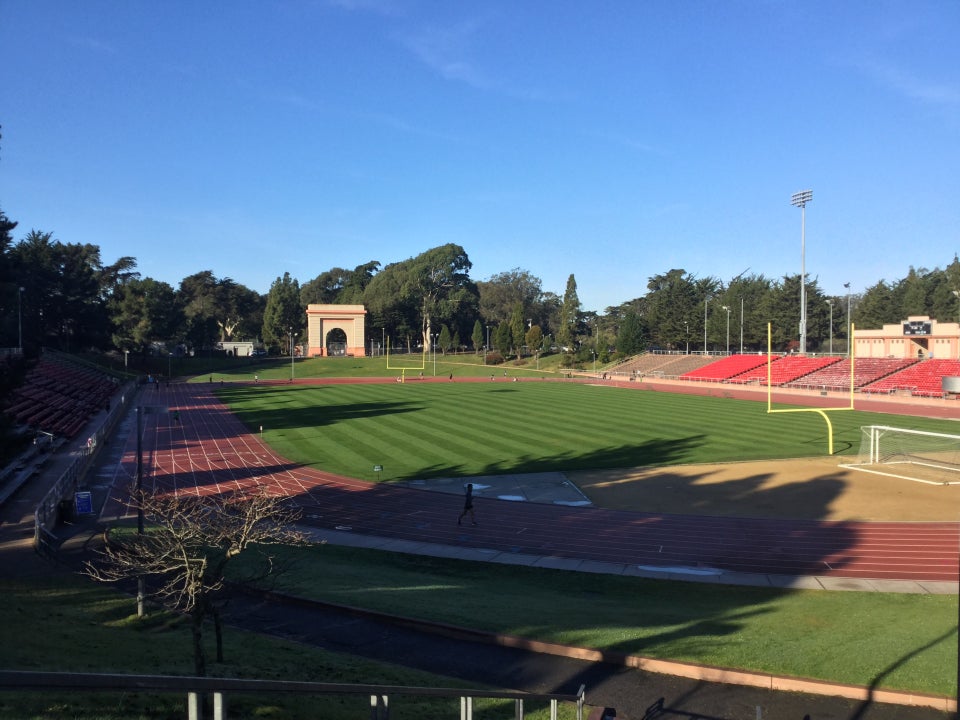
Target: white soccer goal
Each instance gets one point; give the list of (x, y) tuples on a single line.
[(917, 455)]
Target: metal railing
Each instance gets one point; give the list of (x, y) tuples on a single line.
[(47, 513), (217, 689)]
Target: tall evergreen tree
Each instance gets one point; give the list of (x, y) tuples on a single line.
[(569, 314), (284, 314)]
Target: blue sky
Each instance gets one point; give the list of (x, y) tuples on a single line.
[(611, 140)]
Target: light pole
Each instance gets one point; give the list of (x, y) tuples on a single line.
[(727, 308), (741, 324), (292, 336), (383, 339), (705, 324), (20, 319), (686, 326), (169, 371), (434, 345), (800, 200), (956, 294), (849, 339), (487, 347), (830, 303)]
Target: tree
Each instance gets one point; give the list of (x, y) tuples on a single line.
[(338, 286), (145, 313), (284, 313), (189, 547), (534, 339), (477, 335), (433, 287), (445, 340), (569, 314), (503, 291), (517, 329), (630, 340), (502, 338)]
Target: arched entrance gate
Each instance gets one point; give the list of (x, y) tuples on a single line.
[(334, 330)]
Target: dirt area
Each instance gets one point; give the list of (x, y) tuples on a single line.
[(813, 488)]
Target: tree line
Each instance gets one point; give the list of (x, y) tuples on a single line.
[(65, 295)]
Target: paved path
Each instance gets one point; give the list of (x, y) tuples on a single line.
[(208, 450)]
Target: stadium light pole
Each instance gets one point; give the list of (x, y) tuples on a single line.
[(292, 336), (830, 303), (705, 324), (686, 326), (956, 294), (849, 339), (741, 324), (727, 308), (800, 200)]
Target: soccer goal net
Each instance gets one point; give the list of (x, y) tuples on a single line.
[(918, 455)]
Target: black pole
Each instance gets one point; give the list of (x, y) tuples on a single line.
[(139, 471), (141, 584)]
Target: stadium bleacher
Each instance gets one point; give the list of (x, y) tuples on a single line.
[(836, 376), (724, 369), (59, 396), (923, 378)]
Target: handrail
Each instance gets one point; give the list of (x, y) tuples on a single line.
[(21, 680)]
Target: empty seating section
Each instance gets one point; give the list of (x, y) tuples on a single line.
[(659, 364), (58, 396), (726, 368), (923, 378), (785, 369), (837, 375)]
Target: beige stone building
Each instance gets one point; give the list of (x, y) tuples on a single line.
[(916, 337), (336, 330)]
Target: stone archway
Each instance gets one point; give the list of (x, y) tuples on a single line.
[(323, 324), (335, 344)]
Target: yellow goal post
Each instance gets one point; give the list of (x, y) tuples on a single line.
[(403, 368), (820, 411)]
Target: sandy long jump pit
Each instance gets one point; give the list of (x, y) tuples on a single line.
[(807, 488)]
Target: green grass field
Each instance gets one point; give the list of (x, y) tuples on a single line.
[(421, 430), (62, 623), (900, 641), (417, 429)]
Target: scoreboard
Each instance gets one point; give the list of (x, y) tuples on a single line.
[(916, 327)]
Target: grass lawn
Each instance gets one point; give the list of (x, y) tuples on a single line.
[(419, 430), (89, 628), (900, 641), (409, 365)]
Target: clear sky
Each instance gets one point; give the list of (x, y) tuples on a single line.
[(614, 140)]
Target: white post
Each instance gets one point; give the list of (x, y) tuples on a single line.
[(705, 325), (800, 200), (727, 308), (830, 303)]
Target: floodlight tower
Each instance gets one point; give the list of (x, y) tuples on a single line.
[(830, 303), (849, 339), (727, 308), (800, 200)]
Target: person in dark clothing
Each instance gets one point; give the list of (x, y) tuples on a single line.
[(468, 506)]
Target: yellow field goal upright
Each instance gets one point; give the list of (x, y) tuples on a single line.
[(820, 411), (403, 368)]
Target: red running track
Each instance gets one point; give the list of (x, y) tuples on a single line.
[(210, 451)]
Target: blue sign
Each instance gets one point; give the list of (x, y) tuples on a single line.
[(83, 502)]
